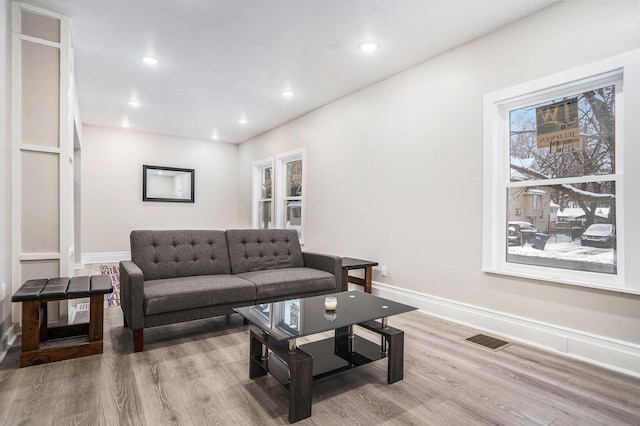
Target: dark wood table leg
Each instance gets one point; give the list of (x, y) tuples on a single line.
[(368, 275), (44, 317), (395, 349), (256, 369), (301, 369), (345, 279), (30, 330), (96, 317), (299, 364), (395, 366)]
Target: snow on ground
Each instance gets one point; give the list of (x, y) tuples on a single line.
[(561, 247)]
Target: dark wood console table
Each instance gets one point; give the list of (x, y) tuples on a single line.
[(349, 264), (34, 295)]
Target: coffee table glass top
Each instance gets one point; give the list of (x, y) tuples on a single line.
[(295, 318)]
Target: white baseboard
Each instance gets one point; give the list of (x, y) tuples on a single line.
[(9, 338), (112, 257), (613, 354)]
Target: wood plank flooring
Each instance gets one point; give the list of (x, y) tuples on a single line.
[(197, 374)]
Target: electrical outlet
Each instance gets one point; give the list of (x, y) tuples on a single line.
[(383, 271), (3, 291)]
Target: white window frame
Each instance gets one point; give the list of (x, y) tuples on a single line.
[(496, 167), (280, 196), (256, 193), (278, 166)]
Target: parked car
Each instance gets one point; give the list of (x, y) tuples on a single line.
[(519, 233), (514, 238), (599, 235)]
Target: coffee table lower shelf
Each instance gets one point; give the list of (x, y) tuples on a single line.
[(312, 361), (328, 358)]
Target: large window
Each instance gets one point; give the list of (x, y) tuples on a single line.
[(553, 172), (278, 192), (262, 216), (571, 140), (290, 191)]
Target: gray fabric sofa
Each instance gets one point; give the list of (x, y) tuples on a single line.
[(183, 275)]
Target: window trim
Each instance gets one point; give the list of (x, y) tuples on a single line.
[(495, 161), (280, 177), (278, 164), (256, 191)]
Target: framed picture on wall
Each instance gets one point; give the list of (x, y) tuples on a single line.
[(168, 184)]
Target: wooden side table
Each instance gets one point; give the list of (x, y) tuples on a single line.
[(34, 295), (349, 264)]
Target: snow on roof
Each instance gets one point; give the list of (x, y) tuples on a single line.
[(576, 212), (534, 191), (571, 212)]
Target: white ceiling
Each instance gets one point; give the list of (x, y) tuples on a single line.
[(221, 60)]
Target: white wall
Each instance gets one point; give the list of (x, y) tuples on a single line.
[(5, 172), (394, 172), (112, 203)]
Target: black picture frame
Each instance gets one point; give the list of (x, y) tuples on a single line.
[(156, 188)]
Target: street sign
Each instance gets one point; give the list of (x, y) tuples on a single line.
[(557, 124)]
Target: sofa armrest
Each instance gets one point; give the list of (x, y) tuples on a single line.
[(327, 263), (132, 294)]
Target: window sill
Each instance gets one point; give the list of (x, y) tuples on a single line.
[(613, 289)]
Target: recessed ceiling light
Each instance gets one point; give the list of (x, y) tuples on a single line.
[(134, 103), (287, 93), (243, 120), (125, 124), (369, 46), (150, 60), (215, 137)]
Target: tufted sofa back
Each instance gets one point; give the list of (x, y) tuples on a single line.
[(181, 253), (259, 249)]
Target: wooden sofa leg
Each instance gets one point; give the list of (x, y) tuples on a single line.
[(138, 343)]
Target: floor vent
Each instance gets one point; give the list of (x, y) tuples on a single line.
[(488, 342)]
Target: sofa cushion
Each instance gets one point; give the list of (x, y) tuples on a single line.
[(183, 253), (176, 294), (263, 249), (285, 282)]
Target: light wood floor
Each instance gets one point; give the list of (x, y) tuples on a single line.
[(197, 374)]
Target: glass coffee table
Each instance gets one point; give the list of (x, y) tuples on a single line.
[(273, 344)]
